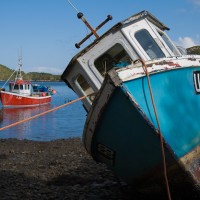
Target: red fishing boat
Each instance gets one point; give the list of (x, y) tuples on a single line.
[(22, 93)]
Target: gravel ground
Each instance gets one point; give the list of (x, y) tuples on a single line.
[(62, 169)]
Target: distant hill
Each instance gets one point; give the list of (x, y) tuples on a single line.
[(5, 73), (194, 50), (41, 76)]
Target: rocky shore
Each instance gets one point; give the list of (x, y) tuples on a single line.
[(62, 169)]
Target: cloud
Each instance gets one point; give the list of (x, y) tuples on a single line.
[(186, 42), (196, 2)]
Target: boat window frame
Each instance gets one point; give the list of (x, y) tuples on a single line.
[(81, 89), (10, 86), (27, 86), (150, 47), (100, 49), (165, 43), (105, 53), (16, 87), (130, 31)]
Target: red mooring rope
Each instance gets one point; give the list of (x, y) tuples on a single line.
[(43, 113)]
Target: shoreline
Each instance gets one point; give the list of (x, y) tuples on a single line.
[(62, 169)]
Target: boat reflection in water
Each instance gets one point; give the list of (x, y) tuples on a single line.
[(1, 116), (13, 115)]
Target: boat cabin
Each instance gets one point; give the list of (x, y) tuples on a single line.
[(20, 87), (140, 36)]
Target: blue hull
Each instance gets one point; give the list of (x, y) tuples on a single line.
[(177, 104), (125, 136), (124, 140)]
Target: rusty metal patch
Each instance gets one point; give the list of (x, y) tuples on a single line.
[(191, 163)]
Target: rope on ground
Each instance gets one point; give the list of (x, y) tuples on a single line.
[(45, 112), (157, 120)]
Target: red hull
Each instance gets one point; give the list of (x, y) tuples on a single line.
[(9, 99)]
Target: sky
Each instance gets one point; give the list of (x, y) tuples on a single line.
[(45, 31)]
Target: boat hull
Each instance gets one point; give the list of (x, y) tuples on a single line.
[(124, 134), (9, 99)]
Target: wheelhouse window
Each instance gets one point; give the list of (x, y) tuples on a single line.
[(27, 86), (10, 86), (85, 87), (169, 43), (114, 57), (149, 44), (16, 87)]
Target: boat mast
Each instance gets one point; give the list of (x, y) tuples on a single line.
[(19, 66), (19, 74)]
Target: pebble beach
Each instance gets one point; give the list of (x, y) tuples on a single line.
[(62, 169)]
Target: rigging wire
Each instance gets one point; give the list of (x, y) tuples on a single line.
[(19, 65), (77, 11), (9, 77), (73, 6)]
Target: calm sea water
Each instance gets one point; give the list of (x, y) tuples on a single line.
[(62, 123)]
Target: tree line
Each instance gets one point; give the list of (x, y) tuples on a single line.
[(194, 50), (6, 72)]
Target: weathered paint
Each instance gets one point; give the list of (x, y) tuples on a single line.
[(177, 106), (191, 164), (122, 132), (120, 129)]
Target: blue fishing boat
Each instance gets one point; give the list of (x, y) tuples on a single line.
[(143, 101)]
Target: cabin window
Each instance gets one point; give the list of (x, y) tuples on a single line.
[(16, 87), (169, 43), (85, 87), (114, 57), (21, 87), (27, 87), (149, 44)]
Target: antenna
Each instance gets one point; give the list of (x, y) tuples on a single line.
[(20, 63), (73, 6), (93, 31)]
